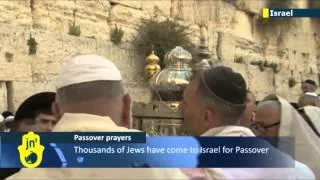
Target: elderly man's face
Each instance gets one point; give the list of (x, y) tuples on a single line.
[(306, 87), (267, 121), (249, 113), (192, 110)]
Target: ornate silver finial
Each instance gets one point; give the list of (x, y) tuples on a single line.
[(170, 82), (203, 61), (178, 57)]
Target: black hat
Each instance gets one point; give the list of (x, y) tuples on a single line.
[(309, 81), (33, 103), (6, 114)]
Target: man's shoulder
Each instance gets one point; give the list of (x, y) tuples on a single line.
[(303, 171)]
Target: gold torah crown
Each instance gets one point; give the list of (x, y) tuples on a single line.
[(152, 66)]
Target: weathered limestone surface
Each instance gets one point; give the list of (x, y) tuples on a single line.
[(92, 17), (128, 19), (225, 16), (3, 96), (205, 12), (233, 29), (250, 6), (157, 7), (261, 82), (15, 12), (243, 25), (128, 3), (55, 16), (226, 46)]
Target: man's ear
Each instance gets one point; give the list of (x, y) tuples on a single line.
[(208, 115), (56, 110), (209, 118), (126, 112)]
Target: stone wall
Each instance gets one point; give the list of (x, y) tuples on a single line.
[(234, 31)]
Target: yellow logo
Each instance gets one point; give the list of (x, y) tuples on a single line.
[(31, 150), (265, 13)]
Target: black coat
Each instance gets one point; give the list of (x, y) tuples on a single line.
[(6, 172)]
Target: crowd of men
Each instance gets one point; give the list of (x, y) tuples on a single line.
[(90, 96)]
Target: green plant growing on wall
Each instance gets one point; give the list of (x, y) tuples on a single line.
[(261, 65), (265, 64), (32, 43), (275, 67), (292, 82), (74, 30), (162, 36), (116, 35), (239, 60), (254, 63), (311, 71)]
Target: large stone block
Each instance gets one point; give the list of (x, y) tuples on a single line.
[(247, 56), (55, 47), (73, 45), (15, 71), (157, 7), (55, 16), (183, 10), (205, 12), (14, 40), (225, 14), (250, 6), (92, 17), (318, 63), (212, 41), (127, 60), (126, 15), (130, 32), (139, 92), (226, 47), (16, 12), (300, 4), (128, 3), (53, 68), (283, 89), (3, 96), (131, 66), (21, 91), (243, 25), (302, 63), (44, 86), (44, 71), (301, 32), (261, 83)]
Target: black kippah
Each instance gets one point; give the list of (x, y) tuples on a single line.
[(226, 84), (309, 81)]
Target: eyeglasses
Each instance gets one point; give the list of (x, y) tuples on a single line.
[(261, 127)]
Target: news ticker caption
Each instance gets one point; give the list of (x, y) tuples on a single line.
[(118, 150), (81, 137), (171, 150), (290, 13)]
